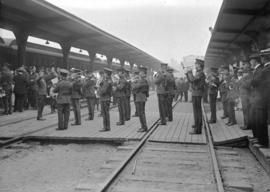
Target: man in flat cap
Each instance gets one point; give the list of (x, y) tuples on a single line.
[(105, 97), (119, 90), (141, 90), (213, 84), (171, 86), (197, 84), (160, 79), (64, 90)]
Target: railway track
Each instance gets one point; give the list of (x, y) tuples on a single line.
[(157, 167)]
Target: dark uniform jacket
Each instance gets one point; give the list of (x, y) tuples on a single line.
[(6, 79), (76, 89), (120, 88), (197, 83), (21, 83), (213, 84), (185, 86), (88, 88), (141, 89), (128, 89), (161, 82), (105, 90), (64, 90), (171, 85), (223, 88), (33, 81)]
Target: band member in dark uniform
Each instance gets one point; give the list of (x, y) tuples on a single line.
[(135, 73), (75, 98), (127, 95), (160, 79), (197, 85), (185, 89), (213, 84), (140, 87), (244, 85), (171, 86), (89, 94), (105, 87), (64, 90), (119, 88), (6, 80)]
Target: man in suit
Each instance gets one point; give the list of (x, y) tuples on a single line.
[(244, 85), (6, 80), (119, 89), (105, 97), (171, 86), (223, 90), (141, 89), (75, 98), (89, 93), (21, 82), (64, 90), (42, 90), (160, 79), (260, 97), (197, 84), (213, 84)]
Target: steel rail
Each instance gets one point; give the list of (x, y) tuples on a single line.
[(111, 178), (216, 169)]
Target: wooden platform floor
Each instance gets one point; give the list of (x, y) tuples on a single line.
[(178, 130), (89, 130), (223, 134)]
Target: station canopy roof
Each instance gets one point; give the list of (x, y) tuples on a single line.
[(238, 22), (46, 21)]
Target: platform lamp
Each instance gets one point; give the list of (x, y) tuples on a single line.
[(47, 42)]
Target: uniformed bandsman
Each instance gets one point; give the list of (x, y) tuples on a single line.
[(89, 94), (171, 86), (75, 98), (141, 89), (197, 84), (105, 87), (127, 95), (160, 79), (64, 90), (213, 84), (134, 75), (119, 88)]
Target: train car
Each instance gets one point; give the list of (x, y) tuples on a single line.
[(44, 56)]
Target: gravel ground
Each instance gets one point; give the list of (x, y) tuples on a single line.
[(258, 176), (50, 168)]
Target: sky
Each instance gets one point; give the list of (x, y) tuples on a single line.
[(166, 29)]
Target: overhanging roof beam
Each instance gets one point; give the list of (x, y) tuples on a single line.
[(241, 11)]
